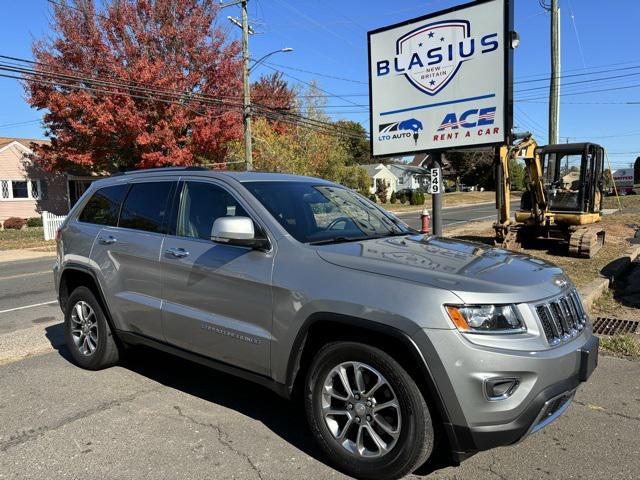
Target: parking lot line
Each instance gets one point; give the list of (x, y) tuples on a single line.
[(28, 306)]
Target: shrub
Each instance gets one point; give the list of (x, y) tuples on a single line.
[(393, 198), (381, 190), (413, 198), (403, 198), (34, 222), (372, 197), (14, 223)]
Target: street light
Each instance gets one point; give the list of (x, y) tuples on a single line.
[(261, 59)]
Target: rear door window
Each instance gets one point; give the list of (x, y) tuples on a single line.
[(146, 206), (103, 207)]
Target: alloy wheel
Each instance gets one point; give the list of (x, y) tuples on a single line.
[(361, 410), (84, 328)]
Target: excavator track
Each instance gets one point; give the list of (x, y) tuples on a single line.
[(585, 242)]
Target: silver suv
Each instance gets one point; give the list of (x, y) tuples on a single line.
[(402, 346)]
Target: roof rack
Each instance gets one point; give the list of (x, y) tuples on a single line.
[(160, 169)]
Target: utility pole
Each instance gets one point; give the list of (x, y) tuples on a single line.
[(554, 86), (246, 104)]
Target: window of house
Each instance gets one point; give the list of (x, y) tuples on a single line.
[(20, 189)]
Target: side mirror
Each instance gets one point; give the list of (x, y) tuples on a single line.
[(236, 231)]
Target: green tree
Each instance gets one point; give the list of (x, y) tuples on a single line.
[(636, 171), (516, 175), (474, 167), (393, 198), (356, 144)]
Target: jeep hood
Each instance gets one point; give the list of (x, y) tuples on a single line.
[(474, 272)]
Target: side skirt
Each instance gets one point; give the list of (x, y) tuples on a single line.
[(137, 339)]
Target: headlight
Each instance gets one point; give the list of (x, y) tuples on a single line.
[(486, 319)]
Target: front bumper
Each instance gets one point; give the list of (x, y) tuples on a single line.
[(549, 380)]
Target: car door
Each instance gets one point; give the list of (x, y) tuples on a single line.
[(216, 297), (127, 257)]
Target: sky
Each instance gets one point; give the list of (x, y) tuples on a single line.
[(329, 44)]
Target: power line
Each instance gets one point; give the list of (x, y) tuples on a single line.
[(575, 30), (314, 21), (261, 110), (333, 77), (9, 125)]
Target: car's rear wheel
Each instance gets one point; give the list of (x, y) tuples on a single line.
[(366, 412), (87, 332)]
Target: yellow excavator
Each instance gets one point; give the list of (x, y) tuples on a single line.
[(563, 197)]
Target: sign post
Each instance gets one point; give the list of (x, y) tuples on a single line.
[(436, 194), (441, 82)]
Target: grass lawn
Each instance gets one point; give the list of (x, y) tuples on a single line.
[(628, 201), (31, 238), (449, 200)]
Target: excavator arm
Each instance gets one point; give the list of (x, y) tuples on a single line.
[(526, 148)]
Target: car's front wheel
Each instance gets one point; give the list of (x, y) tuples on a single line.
[(366, 412), (87, 331)]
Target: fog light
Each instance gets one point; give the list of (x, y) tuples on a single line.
[(500, 388)]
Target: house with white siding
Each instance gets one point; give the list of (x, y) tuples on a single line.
[(379, 172)]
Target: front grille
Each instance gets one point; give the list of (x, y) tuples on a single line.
[(562, 318)]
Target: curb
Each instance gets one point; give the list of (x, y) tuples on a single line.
[(592, 291)]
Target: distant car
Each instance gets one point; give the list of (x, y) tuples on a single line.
[(399, 344)]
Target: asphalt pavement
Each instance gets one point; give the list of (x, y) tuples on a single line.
[(158, 417), (27, 294)]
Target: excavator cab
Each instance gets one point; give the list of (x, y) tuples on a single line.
[(573, 177)]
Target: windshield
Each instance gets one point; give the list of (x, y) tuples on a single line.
[(324, 213)]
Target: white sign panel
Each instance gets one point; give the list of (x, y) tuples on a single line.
[(440, 81), (435, 186)]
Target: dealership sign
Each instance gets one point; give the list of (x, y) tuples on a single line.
[(441, 81)]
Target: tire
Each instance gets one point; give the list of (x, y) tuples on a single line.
[(99, 350), (411, 423)]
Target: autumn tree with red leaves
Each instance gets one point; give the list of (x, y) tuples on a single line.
[(273, 92), (151, 83)]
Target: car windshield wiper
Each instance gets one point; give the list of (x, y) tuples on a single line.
[(327, 241)]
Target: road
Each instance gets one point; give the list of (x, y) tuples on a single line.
[(159, 417), (27, 295), (454, 215)]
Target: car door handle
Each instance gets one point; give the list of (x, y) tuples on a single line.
[(177, 252), (110, 240)]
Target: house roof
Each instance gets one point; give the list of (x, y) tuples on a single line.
[(408, 168), (25, 142), (372, 168)]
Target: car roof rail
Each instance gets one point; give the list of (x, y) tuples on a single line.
[(160, 169)]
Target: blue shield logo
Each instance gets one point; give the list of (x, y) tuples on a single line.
[(432, 54)]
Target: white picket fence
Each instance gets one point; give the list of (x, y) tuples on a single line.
[(51, 224)]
